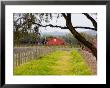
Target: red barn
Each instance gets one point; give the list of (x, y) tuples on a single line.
[(54, 41)]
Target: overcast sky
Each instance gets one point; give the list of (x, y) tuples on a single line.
[(77, 20)]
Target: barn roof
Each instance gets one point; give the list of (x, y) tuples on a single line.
[(55, 41)]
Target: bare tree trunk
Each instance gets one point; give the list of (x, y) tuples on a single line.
[(78, 36)]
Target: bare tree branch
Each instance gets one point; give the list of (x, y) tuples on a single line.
[(85, 27), (19, 19), (64, 15), (50, 25), (91, 19)]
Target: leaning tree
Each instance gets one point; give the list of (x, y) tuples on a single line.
[(33, 21)]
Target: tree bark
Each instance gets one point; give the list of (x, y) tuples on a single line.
[(78, 36)]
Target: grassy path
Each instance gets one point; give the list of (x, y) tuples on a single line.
[(63, 65), (56, 63)]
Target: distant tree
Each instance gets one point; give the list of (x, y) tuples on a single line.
[(69, 40)]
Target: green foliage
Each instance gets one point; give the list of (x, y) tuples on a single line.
[(80, 66), (24, 38), (23, 30), (70, 40), (56, 63)]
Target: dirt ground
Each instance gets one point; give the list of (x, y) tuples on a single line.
[(90, 60)]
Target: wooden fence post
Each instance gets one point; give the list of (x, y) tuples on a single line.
[(25, 54)]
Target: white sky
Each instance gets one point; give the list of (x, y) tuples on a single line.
[(77, 20)]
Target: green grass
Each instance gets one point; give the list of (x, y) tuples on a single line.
[(79, 66), (56, 63)]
